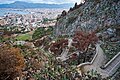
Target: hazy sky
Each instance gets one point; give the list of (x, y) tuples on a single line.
[(42, 1)]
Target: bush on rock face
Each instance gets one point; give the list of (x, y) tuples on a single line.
[(11, 63), (82, 40)]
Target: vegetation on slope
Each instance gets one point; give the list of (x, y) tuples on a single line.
[(40, 32), (11, 63)]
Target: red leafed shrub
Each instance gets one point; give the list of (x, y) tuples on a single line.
[(82, 40), (58, 46), (11, 63), (39, 42)]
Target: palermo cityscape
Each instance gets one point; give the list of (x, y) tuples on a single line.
[(59, 39)]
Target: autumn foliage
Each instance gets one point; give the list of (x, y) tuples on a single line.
[(82, 40), (58, 46), (11, 62)]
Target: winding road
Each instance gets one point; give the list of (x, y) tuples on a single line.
[(112, 66), (109, 69)]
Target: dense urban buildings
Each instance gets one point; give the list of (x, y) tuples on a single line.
[(33, 18)]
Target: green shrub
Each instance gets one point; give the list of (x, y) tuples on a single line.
[(40, 32)]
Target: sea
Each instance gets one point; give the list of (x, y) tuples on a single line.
[(15, 11)]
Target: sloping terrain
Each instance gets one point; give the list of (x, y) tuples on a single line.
[(91, 15)]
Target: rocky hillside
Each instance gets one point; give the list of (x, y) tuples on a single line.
[(91, 15)]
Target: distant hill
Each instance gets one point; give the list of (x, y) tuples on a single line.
[(20, 4)]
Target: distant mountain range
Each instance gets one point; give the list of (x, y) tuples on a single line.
[(20, 4)]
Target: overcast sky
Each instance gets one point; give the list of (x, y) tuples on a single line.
[(42, 1)]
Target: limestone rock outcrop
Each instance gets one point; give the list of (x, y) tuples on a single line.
[(91, 15)]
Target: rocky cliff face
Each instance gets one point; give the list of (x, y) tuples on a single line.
[(88, 16)]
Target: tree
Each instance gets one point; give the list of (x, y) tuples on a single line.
[(82, 41), (64, 13), (75, 6), (41, 32), (11, 63), (58, 46)]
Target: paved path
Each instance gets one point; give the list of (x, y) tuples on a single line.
[(110, 68)]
